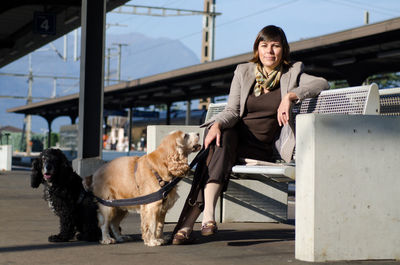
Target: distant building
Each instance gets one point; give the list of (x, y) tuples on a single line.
[(69, 133), (10, 129), (69, 137), (12, 135)]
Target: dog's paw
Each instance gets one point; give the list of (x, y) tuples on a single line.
[(154, 242), (58, 238), (107, 241)]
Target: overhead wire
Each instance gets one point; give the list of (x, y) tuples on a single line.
[(363, 5), (374, 7), (220, 25), (353, 4), (166, 4)]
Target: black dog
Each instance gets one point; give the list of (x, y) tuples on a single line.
[(64, 192)]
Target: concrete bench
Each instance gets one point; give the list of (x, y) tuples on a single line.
[(267, 199), (346, 178), (347, 185)]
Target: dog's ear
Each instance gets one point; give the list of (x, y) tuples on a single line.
[(177, 164), (36, 175), (65, 164), (87, 183)]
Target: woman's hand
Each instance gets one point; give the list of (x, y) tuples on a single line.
[(284, 108), (213, 133)]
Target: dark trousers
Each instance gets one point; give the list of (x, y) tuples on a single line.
[(222, 158)]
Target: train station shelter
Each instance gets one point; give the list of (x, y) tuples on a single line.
[(351, 55)]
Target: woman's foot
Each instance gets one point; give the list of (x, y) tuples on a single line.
[(209, 228), (182, 237)]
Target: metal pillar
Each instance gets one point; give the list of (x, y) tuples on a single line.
[(49, 122), (188, 109), (28, 118), (91, 79), (207, 46), (168, 118), (208, 40), (130, 118), (356, 79)]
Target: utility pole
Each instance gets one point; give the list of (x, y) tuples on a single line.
[(54, 94), (108, 57), (65, 47), (209, 15), (119, 59), (27, 126), (207, 45), (366, 17), (28, 118), (75, 45)]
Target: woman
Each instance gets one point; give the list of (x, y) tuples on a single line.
[(259, 102)]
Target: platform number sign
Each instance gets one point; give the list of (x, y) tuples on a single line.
[(44, 23)]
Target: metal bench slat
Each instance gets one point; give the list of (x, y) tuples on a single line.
[(390, 101), (276, 171)]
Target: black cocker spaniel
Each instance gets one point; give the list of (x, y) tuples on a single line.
[(64, 192)]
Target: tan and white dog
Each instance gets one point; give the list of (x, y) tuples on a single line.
[(131, 177)]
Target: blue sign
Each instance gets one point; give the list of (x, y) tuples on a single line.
[(44, 23)]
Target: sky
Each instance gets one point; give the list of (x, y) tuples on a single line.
[(236, 27), (241, 20)]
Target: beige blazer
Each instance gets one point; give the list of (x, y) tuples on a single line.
[(292, 80)]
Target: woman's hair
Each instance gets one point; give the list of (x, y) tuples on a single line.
[(272, 33)]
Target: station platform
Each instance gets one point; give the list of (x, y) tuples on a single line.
[(26, 222)]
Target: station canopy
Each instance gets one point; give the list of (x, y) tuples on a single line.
[(350, 55)]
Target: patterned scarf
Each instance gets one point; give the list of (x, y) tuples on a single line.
[(266, 81)]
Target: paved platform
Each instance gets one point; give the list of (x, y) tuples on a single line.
[(26, 222)]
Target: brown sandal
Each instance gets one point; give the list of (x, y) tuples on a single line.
[(182, 238), (209, 228)]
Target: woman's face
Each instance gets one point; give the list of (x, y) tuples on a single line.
[(270, 54)]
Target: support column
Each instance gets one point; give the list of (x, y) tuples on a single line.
[(130, 117), (168, 118), (356, 79), (49, 122), (73, 119), (188, 110), (91, 87)]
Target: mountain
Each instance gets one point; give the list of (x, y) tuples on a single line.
[(142, 56)]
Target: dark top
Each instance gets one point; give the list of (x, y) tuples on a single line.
[(259, 126)]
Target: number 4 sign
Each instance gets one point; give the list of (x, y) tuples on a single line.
[(44, 23)]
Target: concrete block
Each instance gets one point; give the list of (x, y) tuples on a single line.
[(347, 187), (5, 157), (155, 133), (87, 166)]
